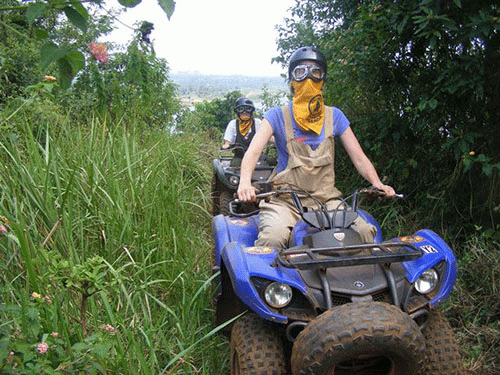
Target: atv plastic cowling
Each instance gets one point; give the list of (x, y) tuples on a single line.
[(234, 240), (434, 251), (303, 229)]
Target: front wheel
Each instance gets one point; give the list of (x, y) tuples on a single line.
[(441, 348), (359, 338), (256, 348)]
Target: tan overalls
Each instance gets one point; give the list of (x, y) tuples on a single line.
[(309, 170)]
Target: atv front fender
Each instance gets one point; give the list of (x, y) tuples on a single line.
[(243, 263), (435, 250)]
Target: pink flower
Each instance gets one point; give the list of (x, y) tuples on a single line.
[(99, 52), (110, 329), (42, 347), (3, 224)]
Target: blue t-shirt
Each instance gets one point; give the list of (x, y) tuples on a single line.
[(275, 118)]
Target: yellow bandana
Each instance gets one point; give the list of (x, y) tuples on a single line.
[(244, 126), (308, 106)]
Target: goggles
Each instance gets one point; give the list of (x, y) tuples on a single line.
[(301, 72), (244, 108)]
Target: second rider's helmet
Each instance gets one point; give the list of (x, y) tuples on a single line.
[(307, 53), (244, 105)]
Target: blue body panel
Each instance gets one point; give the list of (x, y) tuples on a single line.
[(234, 238), (435, 250), (234, 247)]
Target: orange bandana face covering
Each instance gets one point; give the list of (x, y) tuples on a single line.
[(244, 126), (308, 107)]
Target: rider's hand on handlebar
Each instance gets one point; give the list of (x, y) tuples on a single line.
[(246, 192), (388, 190)]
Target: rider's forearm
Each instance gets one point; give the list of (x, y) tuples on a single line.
[(247, 166), (367, 170)]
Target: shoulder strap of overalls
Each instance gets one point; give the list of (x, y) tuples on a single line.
[(287, 118)]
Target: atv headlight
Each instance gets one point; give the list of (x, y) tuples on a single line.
[(234, 180), (278, 295), (427, 281)]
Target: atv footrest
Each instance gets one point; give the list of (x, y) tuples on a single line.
[(353, 255)]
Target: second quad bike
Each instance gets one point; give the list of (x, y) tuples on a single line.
[(330, 304), (226, 177)]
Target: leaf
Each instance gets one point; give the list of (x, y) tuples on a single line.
[(76, 18), (65, 73), (40, 33), (80, 347), (129, 3), (101, 350), (487, 169), (49, 53), (76, 60), (168, 7), (458, 3), (35, 10)]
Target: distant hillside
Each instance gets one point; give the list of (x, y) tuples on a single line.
[(194, 85)]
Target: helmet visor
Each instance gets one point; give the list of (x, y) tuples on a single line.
[(301, 72), (244, 108)]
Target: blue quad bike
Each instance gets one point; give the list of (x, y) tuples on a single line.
[(330, 304), (226, 177)]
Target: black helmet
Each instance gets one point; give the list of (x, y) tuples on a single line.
[(243, 103), (303, 54)]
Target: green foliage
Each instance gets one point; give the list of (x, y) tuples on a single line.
[(416, 79), (18, 58), (109, 228), (132, 87), (475, 294), (270, 100), (42, 20), (215, 113)]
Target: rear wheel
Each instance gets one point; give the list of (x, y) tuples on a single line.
[(256, 347), (442, 354), (215, 197), (359, 338), (225, 198)]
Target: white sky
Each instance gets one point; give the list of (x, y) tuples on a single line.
[(212, 36)]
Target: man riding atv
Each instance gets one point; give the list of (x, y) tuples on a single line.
[(226, 169), (304, 132), (308, 285), (241, 130)]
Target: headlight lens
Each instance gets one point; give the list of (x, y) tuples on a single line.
[(278, 295), (234, 180), (427, 281)]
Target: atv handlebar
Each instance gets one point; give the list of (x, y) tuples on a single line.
[(369, 193), (374, 192), (234, 146)]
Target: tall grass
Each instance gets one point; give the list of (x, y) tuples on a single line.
[(105, 242), (110, 230)]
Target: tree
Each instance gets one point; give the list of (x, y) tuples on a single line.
[(211, 114), (420, 82), (41, 19)]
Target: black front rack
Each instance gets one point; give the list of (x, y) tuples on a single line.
[(352, 255)]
